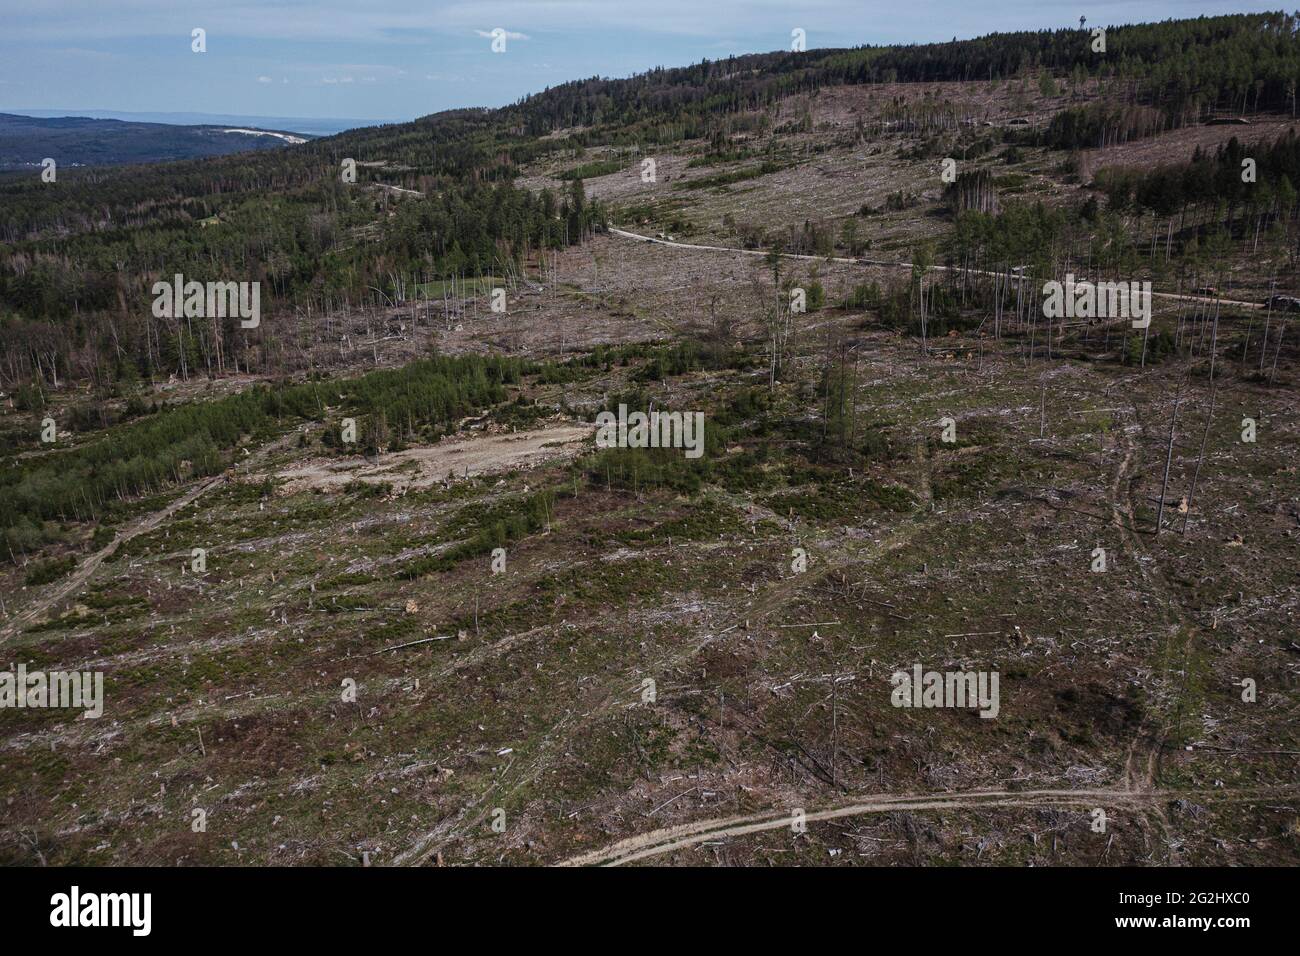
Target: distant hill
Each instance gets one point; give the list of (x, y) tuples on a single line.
[(82, 141), (306, 125)]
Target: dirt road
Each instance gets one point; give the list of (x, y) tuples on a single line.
[(74, 582), (671, 839), (53, 596), (1172, 296)]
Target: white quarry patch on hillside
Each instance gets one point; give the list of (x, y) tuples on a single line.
[(295, 140)]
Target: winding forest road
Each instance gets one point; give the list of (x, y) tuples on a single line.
[(1173, 296), (671, 839)]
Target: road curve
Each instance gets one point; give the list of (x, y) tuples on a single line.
[(670, 839)]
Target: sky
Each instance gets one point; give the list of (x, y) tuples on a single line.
[(399, 59)]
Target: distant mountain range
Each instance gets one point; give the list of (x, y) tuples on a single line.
[(84, 141), (308, 125)]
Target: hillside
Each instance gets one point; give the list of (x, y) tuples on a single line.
[(368, 587)]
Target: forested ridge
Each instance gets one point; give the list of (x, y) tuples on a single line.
[(1184, 67), (78, 258), (26, 140)]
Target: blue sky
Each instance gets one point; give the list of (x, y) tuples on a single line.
[(398, 59)]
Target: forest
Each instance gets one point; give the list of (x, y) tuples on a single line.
[(168, 445), (77, 259)]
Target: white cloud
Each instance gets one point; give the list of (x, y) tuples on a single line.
[(264, 79)]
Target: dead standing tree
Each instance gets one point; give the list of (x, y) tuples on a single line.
[(922, 260), (776, 315)]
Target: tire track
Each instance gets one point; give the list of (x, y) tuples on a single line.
[(671, 839), (74, 583)]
